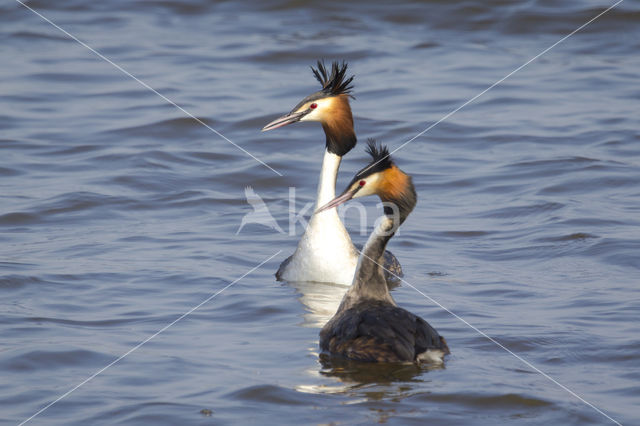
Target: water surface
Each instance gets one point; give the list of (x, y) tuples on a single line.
[(119, 213)]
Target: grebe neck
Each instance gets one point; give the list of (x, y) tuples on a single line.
[(369, 280), (328, 177)]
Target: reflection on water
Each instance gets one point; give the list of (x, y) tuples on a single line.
[(368, 384), (353, 378), (321, 301), (366, 372)]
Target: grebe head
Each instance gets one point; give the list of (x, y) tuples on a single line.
[(329, 106), (382, 178)]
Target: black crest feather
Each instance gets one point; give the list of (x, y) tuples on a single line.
[(380, 153), (380, 160), (335, 83), (380, 157)]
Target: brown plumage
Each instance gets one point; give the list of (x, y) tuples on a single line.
[(338, 126), (374, 331)]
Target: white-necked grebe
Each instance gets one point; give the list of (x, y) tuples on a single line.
[(325, 252)]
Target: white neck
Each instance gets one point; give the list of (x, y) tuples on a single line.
[(325, 252), (328, 177)]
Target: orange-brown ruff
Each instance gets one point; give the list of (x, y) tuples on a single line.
[(394, 184), (338, 122)]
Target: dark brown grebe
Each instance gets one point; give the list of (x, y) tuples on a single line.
[(368, 325)]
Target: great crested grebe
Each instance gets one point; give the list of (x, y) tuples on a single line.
[(368, 325), (325, 252)]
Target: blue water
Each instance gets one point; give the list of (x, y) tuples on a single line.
[(119, 212)]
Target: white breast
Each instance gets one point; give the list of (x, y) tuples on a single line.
[(325, 252)]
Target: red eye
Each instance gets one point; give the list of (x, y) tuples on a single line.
[(362, 182), (313, 105)]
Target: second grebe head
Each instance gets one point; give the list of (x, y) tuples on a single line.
[(383, 178)]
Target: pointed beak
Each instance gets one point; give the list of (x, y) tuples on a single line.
[(292, 117), (346, 196)]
